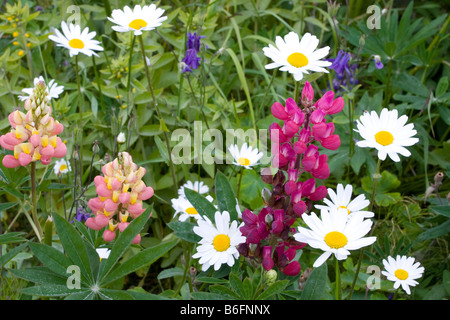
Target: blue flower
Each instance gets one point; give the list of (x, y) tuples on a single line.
[(345, 72), (80, 215), (191, 60), (378, 63)]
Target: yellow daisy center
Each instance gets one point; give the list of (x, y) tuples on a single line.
[(221, 242), (297, 59), (384, 138), (401, 274), (344, 207), (62, 168), (76, 44), (137, 24), (244, 161), (335, 239), (191, 210)]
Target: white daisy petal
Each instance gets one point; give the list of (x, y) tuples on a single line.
[(297, 56)]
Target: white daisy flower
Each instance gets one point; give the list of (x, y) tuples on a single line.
[(341, 200), (403, 271), (52, 89), (387, 133), (334, 233), (297, 56), (185, 209), (76, 40), (219, 242), (139, 19), (61, 166), (246, 156), (198, 186), (103, 253)]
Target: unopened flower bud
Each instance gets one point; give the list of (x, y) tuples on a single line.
[(271, 276)]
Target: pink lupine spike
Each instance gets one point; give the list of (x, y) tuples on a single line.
[(279, 111), (91, 224), (124, 197), (103, 191), (317, 116), (96, 204), (60, 150), (48, 151), (292, 269), (307, 92), (3, 144), (122, 225), (137, 239), (267, 262), (135, 209), (11, 139), (336, 106), (10, 161), (109, 235), (146, 194), (322, 171), (101, 220), (99, 180), (46, 160), (24, 159), (320, 193), (332, 142), (325, 102), (116, 184), (35, 140), (110, 205)]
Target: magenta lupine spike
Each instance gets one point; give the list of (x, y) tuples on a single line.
[(296, 144), (34, 135), (121, 193)]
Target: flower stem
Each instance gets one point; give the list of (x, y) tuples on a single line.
[(296, 89), (164, 129), (338, 280), (239, 184), (361, 251), (34, 200)]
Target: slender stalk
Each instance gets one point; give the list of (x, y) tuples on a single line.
[(361, 251), (296, 89), (239, 184), (132, 41), (149, 80), (80, 107), (338, 280), (34, 200)]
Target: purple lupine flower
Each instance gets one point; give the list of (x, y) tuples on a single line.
[(80, 215), (378, 63), (345, 72), (191, 60)]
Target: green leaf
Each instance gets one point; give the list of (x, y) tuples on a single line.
[(184, 230), (226, 199), (273, 289), (123, 242), (7, 205), (237, 285), (442, 210), (143, 258), (52, 258), (41, 275), (73, 245), (436, 232), (50, 290), (4, 258), (12, 237), (203, 206), (316, 284), (441, 87), (169, 273), (207, 296)]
